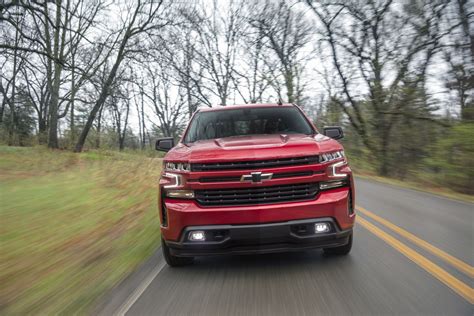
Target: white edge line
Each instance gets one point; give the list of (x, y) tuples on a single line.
[(139, 290)]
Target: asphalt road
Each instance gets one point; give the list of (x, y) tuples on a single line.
[(422, 265)]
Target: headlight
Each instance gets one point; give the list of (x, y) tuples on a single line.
[(177, 166), (174, 188), (331, 156)]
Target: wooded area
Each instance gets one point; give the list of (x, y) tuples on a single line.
[(398, 75)]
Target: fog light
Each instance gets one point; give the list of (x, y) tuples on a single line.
[(332, 184), (197, 235), (320, 228), (180, 194)]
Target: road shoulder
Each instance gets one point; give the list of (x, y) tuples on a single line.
[(114, 300)]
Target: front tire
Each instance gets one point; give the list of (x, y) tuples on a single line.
[(341, 250), (174, 261)]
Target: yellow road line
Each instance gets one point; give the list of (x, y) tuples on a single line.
[(456, 285), (455, 262)]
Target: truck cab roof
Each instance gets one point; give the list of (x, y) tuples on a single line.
[(241, 106)]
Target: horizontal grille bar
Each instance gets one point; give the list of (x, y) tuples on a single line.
[(295, 161), (259, 195), (219, 179), (282, 175)]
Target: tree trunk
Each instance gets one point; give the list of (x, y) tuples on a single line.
[(383, 153), (11, 140), (143, 127), (99, 128), (73, 96), (2, 110), (53, 108), (53, 111), (289, 86), (42, 130), (121, 143), (11, 100)]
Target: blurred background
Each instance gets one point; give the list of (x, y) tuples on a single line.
[(88, 85)]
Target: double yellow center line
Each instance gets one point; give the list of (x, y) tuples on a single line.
[(448, 279)]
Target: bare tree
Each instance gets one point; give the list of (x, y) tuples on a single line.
[(120, 109), (8, 82), (378, 51), (288, 33), (252, 75), (459, 55), (167, 99), (218, 34), (139, 100), (144, 18), (179, 51), (38, 94), (54, 33)]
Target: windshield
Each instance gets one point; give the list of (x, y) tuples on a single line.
[(247, 121)]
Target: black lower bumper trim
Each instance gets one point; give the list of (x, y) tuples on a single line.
[(261, 238)]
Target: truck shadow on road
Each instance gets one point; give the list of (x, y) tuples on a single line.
[(265, 265)]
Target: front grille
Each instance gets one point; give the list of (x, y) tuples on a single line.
[(259, 164), (258, 195)]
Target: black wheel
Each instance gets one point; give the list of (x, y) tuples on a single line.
[(174, 261), (341, 250)]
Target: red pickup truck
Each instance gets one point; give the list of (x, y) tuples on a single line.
[(254, 178)]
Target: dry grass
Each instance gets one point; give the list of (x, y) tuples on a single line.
[(72, 226)]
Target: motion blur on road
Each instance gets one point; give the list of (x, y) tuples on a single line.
[(88, 86)]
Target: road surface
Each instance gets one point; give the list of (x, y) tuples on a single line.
[(413, 254)]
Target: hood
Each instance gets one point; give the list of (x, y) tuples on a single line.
[(255, 147)]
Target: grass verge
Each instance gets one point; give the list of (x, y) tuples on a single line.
[(72, 226)]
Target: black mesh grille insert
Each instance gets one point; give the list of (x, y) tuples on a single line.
[(295, 161), (258, 195)]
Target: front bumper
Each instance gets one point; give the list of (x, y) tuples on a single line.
[(294, 235), (187, 213)]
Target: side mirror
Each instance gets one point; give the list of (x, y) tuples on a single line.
[(335, 132), (164, 144)]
